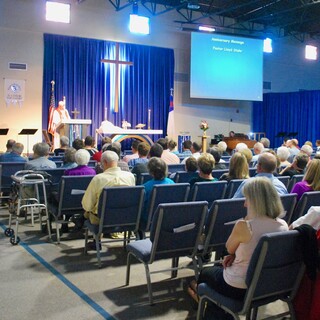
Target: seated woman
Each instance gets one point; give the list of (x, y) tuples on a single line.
[(311, 179), (206, 164), (263, 209), (238, 168), (82, 158), (68, 159), (158, 169), (283, 154)]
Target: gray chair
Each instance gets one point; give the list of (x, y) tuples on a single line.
[(68, 199), (289, 202), (220, 221), (285, 180), (164, 193), (275, 271), (208, 191), (119, 211), (232, 187), (308, 199), (294, 179), (175, 232), (143, 178)]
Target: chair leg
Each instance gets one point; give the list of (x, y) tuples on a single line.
[(174, 264), (200, 308), (58, 231), (128, 269), (97, 239), (85, 249), (146, 266)]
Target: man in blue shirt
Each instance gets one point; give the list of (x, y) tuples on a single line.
[(266, 165), (14, 155)]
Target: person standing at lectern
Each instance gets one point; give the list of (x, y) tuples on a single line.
[(59, 114)]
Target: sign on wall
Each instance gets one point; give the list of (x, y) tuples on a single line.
[(14, 91)]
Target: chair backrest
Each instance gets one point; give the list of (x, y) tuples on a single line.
[(9, 169), (218, 173), (208, 191), (232, 187), (285, 180), (143, 178), (184, 176), (252, 172), (120, 208), (166, 193), (176, 229), (92, 163), (308, 199), (275, 269), (220, 222), (176, 167), (294, 179), (71, 191), (289, 202)]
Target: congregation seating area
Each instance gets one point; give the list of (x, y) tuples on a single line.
[(179, 218)]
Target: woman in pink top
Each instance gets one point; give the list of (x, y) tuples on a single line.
[(311, 179), (263, 208)]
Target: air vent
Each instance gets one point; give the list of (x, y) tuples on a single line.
[(181, 77), (267, 85), (17, 66)]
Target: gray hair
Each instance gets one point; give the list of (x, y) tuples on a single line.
[(69, 155), (307, 149), (41, 149), (283, 153), (263, 197), (17, 147), (82, 157), (258, 146), (265, 142), (158, 169), (222, 145), (241, 146), (109, 156), (64, 141)]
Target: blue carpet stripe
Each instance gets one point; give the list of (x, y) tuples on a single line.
[(68, 283)]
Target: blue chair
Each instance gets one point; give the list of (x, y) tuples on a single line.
[(294, 179), (218, 173), (184, 176), (232, 187), (68, 199), (164, 193), (220, 221), (275, 271), (208, 191), (8, 170), (119, 211), (176, 167), (308, 199), (289, 202), (252, 172), (285, 180), (143, 178), (175, 232)]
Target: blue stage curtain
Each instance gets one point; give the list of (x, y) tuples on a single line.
[(88, 84), (288, 112)]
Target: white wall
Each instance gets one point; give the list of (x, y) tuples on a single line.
[(22, 25)]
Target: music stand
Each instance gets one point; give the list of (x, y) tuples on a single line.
[(28, 132), (4, 132)]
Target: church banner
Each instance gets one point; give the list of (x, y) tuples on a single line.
[(14, 91)]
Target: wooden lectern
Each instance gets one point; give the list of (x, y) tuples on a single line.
[(73, 128)]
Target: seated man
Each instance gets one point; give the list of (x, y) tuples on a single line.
[(111, 176), (40, 158), (89, 145), (14, 155), (64, 144), (297, 167), (167, 156), (143, 150), (134, 155), (266, 165)]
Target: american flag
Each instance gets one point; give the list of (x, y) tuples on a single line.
[(51, 126), (170, 126)]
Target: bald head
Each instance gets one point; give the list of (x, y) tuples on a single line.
[(267, 163), (109, 159)]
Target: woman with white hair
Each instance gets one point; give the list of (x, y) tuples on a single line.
[(82, 158), (283, 154)]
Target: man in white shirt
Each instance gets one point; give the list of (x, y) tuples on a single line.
[(167, 156)]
